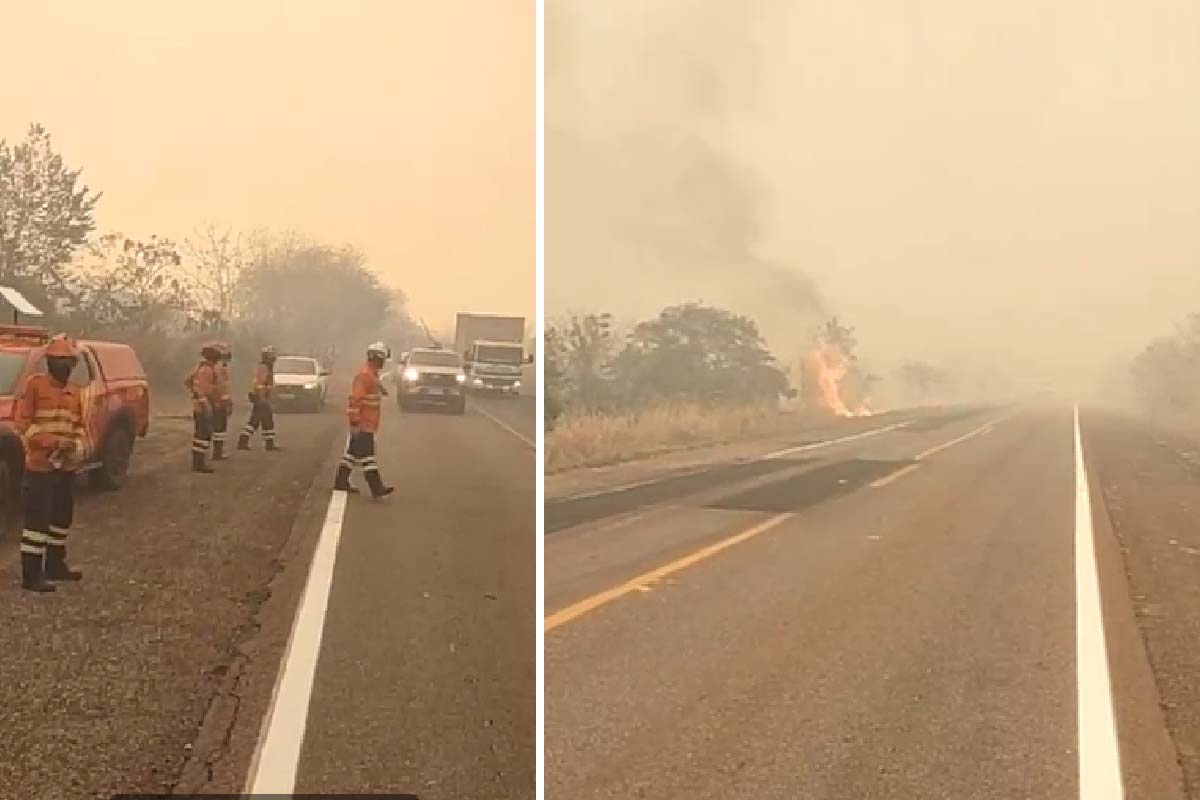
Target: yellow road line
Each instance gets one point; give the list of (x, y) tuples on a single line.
[(577, 610)]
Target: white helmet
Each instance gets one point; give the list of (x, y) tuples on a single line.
[(379, 350)]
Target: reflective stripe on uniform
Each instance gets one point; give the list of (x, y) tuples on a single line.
[(57, 427), (57, 539), (33, 542)]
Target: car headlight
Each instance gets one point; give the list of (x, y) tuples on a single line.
[(310, 386), (516, 384), (411, 374), (478, 382), (460, 378)]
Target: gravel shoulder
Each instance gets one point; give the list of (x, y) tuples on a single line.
[(105, 684)]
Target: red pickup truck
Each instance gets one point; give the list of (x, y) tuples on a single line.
[(116, 404)]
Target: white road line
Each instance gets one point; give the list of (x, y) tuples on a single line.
[(946, 445), (695, 470), (895, 476), (803, 448), (507, 427), (1099, 758), (273, 770)]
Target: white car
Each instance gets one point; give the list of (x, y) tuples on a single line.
[(300, 382), (427, 376)]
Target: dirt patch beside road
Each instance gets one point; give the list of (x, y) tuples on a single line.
[(104, 684)]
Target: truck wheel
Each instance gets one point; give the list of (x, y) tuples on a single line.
[(114, 460)]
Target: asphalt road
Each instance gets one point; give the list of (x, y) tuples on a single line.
[(156, 673), (892, 616), (426, 671)]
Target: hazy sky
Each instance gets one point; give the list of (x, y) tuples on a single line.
[(404, 127), (1011, 183)]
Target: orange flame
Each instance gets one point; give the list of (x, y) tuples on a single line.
[(826, 367)]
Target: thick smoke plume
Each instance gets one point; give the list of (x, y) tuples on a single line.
[(646, 203)]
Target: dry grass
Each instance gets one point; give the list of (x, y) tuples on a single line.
[(598, 439)]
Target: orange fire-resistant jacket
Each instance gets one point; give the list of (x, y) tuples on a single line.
[(223, 384), (364, 408), (205, 388), (49, 417), (264, 379)]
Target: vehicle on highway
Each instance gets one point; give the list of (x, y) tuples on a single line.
[(115, 396), (300, 382), (493, 352), (429, 376)]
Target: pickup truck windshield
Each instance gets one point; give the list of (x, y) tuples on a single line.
[(296, 366), (493, 354), (11, 365), (433, 359)]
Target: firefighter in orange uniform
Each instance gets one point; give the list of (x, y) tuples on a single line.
[(49, 418), (364, 413), (224, 405), (261, 415), (204, 383)]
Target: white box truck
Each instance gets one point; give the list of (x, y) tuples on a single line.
[(493, 352)]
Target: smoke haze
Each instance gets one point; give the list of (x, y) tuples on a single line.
[(1010, 189), (404, 128)]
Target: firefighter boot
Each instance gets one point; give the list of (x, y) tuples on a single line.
[(243, 442), (378, 490), (56, 564), (272, 446), (342, 482), (218, 451), (32, 576), (198, 464)]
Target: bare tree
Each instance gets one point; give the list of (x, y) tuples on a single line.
[(216, 263)]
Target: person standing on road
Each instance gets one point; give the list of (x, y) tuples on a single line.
[(49, 418), (261, 415), (206, 397), (224, 406), (364, 412)]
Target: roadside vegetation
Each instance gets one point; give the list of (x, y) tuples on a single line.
[(1166, 374), (165, 297), (692, 376)]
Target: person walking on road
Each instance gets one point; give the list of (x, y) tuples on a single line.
[(206, 397), (49, 418), (224, 406), (364, 413), (261, 415)]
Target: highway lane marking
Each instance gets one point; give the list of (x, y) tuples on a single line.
[(702, 467), (982, 430), (273, 769), (804, 448), (638, 584), (507, 427), (895, 476), (971, 434), (582, 607), (1099, 757)]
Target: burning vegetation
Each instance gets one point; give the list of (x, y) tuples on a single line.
[(831, 381)]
